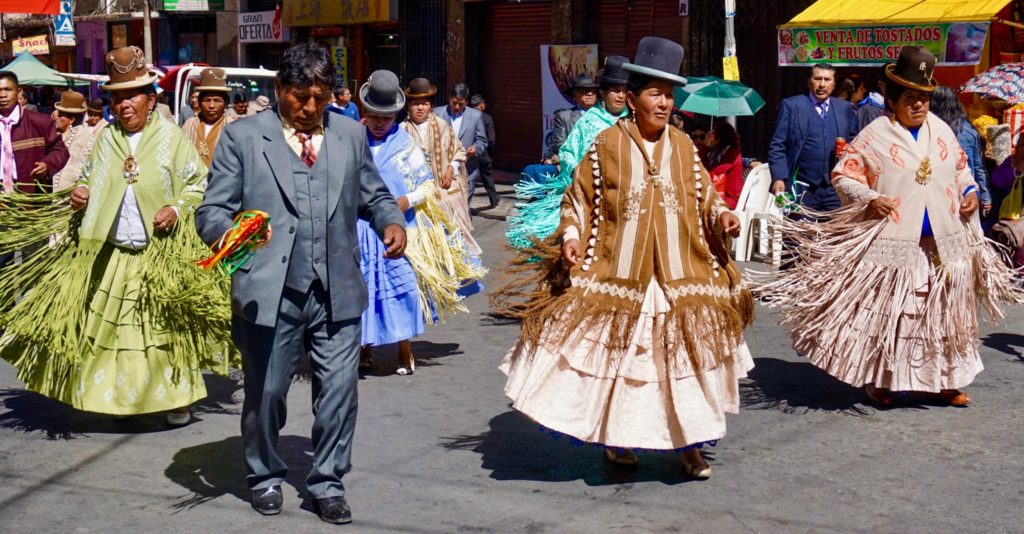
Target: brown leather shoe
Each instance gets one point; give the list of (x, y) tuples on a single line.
[(953, 397), (878, 396)]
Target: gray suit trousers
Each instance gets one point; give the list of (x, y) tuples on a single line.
[(269, 358)]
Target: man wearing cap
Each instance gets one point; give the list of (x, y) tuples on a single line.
[(303, 292), (261, 104), (76, 136), (31, 150), (468, 124), (584, 95), (803, 147), (204, 130), (478, 103), (240, 107)]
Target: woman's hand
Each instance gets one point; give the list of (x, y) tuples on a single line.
[(403, 203), (449, 175), (730, 223), (165, 219), (969, 204), (79, 197), (881, 207), (571, 252)]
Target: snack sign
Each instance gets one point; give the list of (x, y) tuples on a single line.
[(956, 43)]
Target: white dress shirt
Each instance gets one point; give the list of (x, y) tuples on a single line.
[(130, 230)]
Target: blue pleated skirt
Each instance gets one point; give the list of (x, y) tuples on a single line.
[(393, 313)]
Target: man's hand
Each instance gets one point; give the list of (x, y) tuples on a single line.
[(881, 207), (394, 239), (79, 197), (403, 202), (969, 204), (39, 170), (778, 186), (471, 151), (449, 176), (571, 252), (986, 207), (730, 223), (165, 219)]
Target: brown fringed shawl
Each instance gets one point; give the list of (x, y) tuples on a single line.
[(640, 218), (204, 136)]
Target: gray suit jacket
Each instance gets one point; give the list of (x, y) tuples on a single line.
[(471, 133), (252, 170), (561, 125)]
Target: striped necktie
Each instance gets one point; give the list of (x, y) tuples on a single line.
[(7, 158), (308, 150)]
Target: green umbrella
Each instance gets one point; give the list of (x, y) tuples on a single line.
[(709, 95), (32, 72)]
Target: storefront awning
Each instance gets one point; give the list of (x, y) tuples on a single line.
[(872, 32), (883, 12)]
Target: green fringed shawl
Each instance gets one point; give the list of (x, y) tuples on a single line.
[(539, 218)]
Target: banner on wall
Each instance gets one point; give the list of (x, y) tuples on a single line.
[(953, 43), (37, 45), (262, 27), (559, 66)]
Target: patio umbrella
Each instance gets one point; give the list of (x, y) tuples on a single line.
[(1005, 82), (710, 95), (32, 72)]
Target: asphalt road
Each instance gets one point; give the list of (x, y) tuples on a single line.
[(441, 451)]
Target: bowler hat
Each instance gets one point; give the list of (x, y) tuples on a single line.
[(583, 81), (213, 79), (658, 58), (126, 67), (613, 73), (913, 69), (420, 88), (71, 102), (382, 93), (95, 105)]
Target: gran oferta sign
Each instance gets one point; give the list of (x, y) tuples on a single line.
[(261, 27), (956, 43)]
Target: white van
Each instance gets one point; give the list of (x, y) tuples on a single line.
[(250, 82)]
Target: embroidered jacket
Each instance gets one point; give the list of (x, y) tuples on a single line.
[(34, 139)]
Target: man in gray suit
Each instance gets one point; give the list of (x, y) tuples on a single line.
[(303, 292), (584, 95), (468, 124)]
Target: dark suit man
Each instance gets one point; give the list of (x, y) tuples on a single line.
[(304, 291), (478, 103), (802, 150), (468, 124), (584, 95)]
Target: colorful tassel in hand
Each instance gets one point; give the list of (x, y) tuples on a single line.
[(237, 246)]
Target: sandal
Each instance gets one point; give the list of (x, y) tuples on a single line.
[(618, 456), (406, 369), (695, 470), (878, 396)]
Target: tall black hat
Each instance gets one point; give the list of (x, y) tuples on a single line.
[(658, 58), (613, 73)]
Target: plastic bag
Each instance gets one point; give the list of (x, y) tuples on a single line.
[(1011, 206)]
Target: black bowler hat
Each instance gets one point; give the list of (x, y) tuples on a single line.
[(583, 81), (913, 69), (658, 58), (382, 93), (613, 73)]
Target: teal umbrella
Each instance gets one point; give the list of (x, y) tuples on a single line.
[(710, 95), (32, 72)]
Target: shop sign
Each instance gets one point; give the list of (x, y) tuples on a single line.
[(63, 27), (193, 5), (324, 13), (262, 27), (340, 56), (559, 66), (37, 45), (956, 43)]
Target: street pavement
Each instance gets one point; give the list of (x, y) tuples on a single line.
[(442, 451)]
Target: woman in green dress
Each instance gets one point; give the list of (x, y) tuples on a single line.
[(116, 318)]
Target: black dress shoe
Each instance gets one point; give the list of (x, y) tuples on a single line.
[(268, 501), (333, 510)]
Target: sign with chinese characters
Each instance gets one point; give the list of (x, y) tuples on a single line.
[(957, 43), (63, 27), (193, 5), (37, 45), (262, 27), (327, 12), (340, 56)]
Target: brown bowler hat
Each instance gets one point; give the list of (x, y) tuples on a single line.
[(213, 79), (913, 69), (126, 67), (420, 88), (95, 105), (71, 102)]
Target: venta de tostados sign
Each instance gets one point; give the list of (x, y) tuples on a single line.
[(262, 27)]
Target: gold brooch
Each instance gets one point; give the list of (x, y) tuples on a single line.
[(131, 170), (924, 172)]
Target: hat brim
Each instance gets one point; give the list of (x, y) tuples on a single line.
[(134, 84), (212, 88), (900, 80), (93, 110), (428, 94), (370, 106), (74, 111), (654, 73), (614, 81)]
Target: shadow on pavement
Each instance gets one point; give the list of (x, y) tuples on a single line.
[(516, 448), (212, 470), (798, 387), (1009, 344), (30, 412)]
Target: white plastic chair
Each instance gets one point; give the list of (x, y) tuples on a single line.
[(753, 201)]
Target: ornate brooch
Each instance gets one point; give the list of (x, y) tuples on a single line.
[(924, 172), (131, 170)]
